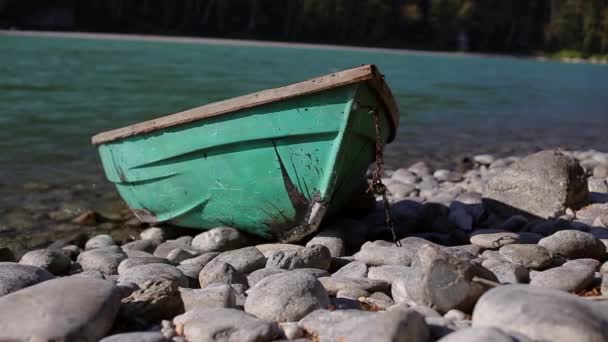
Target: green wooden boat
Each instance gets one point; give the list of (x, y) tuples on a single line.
[(272, 163)]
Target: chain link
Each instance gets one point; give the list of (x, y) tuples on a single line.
[(377, 186)]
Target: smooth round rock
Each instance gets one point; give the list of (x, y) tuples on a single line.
[(286, 297), (316, 256), (62, 309), (213, 296), (138, 261), (493, 239), (153, 233), (355, 269), (245, 260), (335, 284), (98, 241), (219, 239), (389, 273), (477, 335), (541, 314), (140, 245), (262, 273), (529, 256), (220, 272), (102, 259), (136, 337), (53, 261), (15, 276), (565, 278), (574, 244)]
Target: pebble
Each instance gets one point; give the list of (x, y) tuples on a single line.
[(220, 239), (138, 261), (143, 273), (220, 272), (153, 233), (286, 297), (571, 279), (245, 260), (361, 326), (180, 254), (389, 273), (529, 256), (153, 301), (292, 331), (202, 259), (136, 337), (355, 269), (589, 263), (478, 335), (268, 248), (492, 239), (62, 309), (352, 293), (191, 271), (216, 295), (53, 261), (374, 254), (443, 282), (15, 276), (317, 256), (163, 250), (541, 314), (508, 273), (255, 276), (574, 244), (223, 324), (102, 259), (140, 245), (99, 241), (335, 284)]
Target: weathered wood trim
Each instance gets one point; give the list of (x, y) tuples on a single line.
[(364, 73)]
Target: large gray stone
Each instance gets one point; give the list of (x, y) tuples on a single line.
[(574, 244), (543, 185), (219, 239), (541, 314), (53, 261), (262, 273), (63, 309), (377, 254), (220, 272), (15, 277), (216, 295), (155, 300), (286, 297), (317, 256), (443, 282), (102, 259), (361, 326), (245, 260), (155, 272), (389, 273), (530, 256), (221, 324), (565, 278), (335, 284), (136, 337)]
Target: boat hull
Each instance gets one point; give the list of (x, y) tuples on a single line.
[(273, 170)]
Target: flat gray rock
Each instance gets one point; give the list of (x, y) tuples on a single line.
[(541, 314), (220, 272), (508, 273), (143, 273), (361, 326), (268, 248), (529, 256), (565, 278), (355, 269), (316, 256), (202, 259), (136, 337), (335, 284), (220, 324), (478, 335), (53, 261), (574, 244), (102, 259), (376, 254), (286, 297), (543, 185), (180, 254), (245, 260), (163, 250), (14, 276), (213, 296), (138, 261), (63, 309), (490, 239), (589, 263), (140, 245), (389, 273), (220, 239)]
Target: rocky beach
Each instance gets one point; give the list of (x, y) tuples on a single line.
[(496, 249)]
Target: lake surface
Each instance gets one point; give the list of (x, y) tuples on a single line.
[(57, 92)]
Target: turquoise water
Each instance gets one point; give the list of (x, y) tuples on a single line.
[(57, 92)]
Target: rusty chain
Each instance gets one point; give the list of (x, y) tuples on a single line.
[(377, 186)]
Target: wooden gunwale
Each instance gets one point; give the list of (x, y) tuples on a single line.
[(367, 73)]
